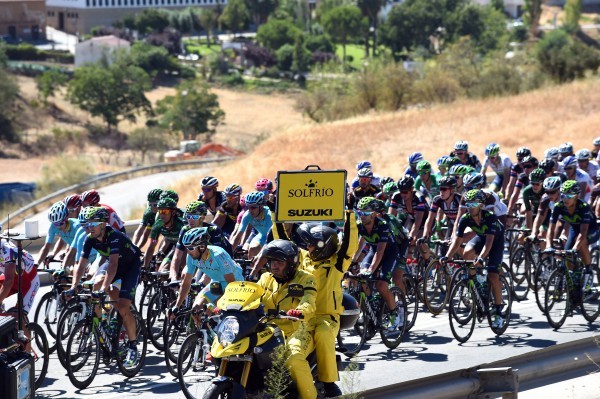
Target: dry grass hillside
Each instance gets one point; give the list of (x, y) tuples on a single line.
[(539, 120)]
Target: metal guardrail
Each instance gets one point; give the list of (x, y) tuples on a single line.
[(43, 203)]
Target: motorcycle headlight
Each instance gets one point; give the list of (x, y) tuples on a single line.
[(228, 330)]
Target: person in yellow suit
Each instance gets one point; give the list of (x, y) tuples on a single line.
[(282, 258), (327, 259)]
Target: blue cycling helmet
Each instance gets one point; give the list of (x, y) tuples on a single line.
[(58, 212), (414, 158), (255, 198), (363, 164)]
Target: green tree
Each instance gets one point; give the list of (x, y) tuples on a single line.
[(573, 14), (152, 19), (9, 90), (235, 15), (343, 24), (301, 55), (261, 9), (277, 32), (113, 93), (327, 5), (192, 111), (532, 11), (146, 139), (485, 25), (208, 21), (49, 82), (371, 10)]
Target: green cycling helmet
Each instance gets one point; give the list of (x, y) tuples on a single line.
[(196, 207), (570, 187), (475, 195), (367, 204), (492, 150), (460, 170), (196, 236), (423, 167), (170, 194), (390, 188), (537, 175), (95, 213), (167, 203), (154, 195)]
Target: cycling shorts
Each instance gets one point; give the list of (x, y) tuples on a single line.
[(129, 279), (386, 266), (592, 236), (496, 253)]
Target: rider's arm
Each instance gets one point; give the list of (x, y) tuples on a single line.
[(361, 244), (9, 277), (178, 259), (149, 252), (489, 240), (583, 231), (378, 256), (431, 217), (184, 289), (505, 192), (78, 271), (583, 191), (219, 219), (414, 230)]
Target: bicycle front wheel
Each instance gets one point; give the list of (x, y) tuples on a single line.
[(558, 299), (123, 340), (518, 271), (540, 279), (350, 341), (40, 352), (412, 301), (435, 287), (506, 301), (82, 355), (393, 324), (66, 323), (47, 314), (193, 373), (175, 334), (461, 311), (155, 320), (590, 303)]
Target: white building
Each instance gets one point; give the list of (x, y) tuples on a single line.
[(99, 48)]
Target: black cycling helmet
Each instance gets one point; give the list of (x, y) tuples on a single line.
[(448, 181), (406, 183), (324, 238), (154, 195), (286, 251), (385, 180), (547, 164), (170, 194), (523, 152)]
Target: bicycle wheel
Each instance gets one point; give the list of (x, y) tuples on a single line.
[(542, 273), (175, 333), (506, 300), (461, 311), (66, 323), (40, 352), (412, 301), (123, 340), (193, 374), (595, 256), (435, 287), (351, 341), (590, 303), (392, 334), (518, 272), (146, 294), (82, 354), (155, 318), (47, 314), (557, 300)]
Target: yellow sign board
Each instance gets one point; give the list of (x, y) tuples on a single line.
[(310, 195)]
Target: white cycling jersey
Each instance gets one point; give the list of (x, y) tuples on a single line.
[(505, 163)]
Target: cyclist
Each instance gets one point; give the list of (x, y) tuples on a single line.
[(445, 204), (583, 179), (445, 162), (413, 204), (461, 151), (413, 160), (123, 264), (596, 150), (73, 203), (258, 217), (210, 196), (66, 228), (387, 192), (9, 282), (168, 224), (365, 188), (487, 242), (590, 167), (266, 186), (583, 230), (143, 231), (427, 182), (92, 198), (210, 262), (500, 164), (565, 150), (551, 186), (459, 171), (228, 212), (492, 201), (532, 195), (282, 258), (526, 165), (376, 181)]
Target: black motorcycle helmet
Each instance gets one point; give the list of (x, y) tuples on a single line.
[(286, 251), (324, 238)]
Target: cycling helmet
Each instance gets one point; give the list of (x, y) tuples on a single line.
[(72, 201), (547, 164), (367, 204), (167, 203), (170, 194), (453, 161), (57, 212), (448, 181), (284, 251), (552, 183), (566, 148), (264, 185), (474, 181), (423, 167), (569, 161), (379, 206), (209, 181), (385, 180), (537, 175), (255, 198), (81, 217), (365, 172), (406, 183), (364, 164), (460, 170), (324, 238), (529, 159), (443, 159), (196, 207), (390, 188), (95, 213), (596, 141), (461, 146), (233, 189), (414, 158), (570, 187), (475, 195), (584, 155), (154, 195), (90, 198), (243, 201), (492, 150), (551, 153), (196, 236), (523, 152)]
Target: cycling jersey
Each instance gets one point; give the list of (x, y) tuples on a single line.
[(546, 204), (148, 218), (113, 219), (361, 192), (450, 210), (172, 234), (375, 180), (492, 203), (583, 177), (591, 169), (417, 204), (262, 226), (380, 233), (114, 242), (471, 160), (522, 180), (67, 236), (433, 190), (230, 217), (504, 163), (220, 198), (216, 237), (583, 214), (30, 281), (489, 224), (80, 237), (531, 199)]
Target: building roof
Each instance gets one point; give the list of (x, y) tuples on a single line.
[(109, 40)]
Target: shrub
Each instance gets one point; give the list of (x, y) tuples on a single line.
[(398, 85), (437, 87), (64, 171), (320, 43), (285, 57), (259, 56)]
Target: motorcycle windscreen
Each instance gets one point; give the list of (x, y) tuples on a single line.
[(241, 295)]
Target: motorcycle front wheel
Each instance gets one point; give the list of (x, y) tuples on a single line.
[(219, 391)]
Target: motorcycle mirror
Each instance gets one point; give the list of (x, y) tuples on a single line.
[(216, 288), (295, 291)]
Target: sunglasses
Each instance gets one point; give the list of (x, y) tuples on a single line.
[(570, 168), (58, 224), (191, 248), (364, 213), (527, 166), (568, 196), (444, 188), (207, 189), (552, 192), (424, 172), (536, 184), (72, 209), (471, 205), (253, 207), (164, 211), (189, 216), (152, 204), (459, 152), (232, 196), (405, 191), (94, 224)]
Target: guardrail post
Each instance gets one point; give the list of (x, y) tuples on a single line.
[(495, 382)]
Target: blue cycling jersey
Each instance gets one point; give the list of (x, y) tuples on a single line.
[(67, 236), (262, 226), (216, 266)]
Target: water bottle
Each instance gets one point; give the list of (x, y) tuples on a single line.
[(112, 327)]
